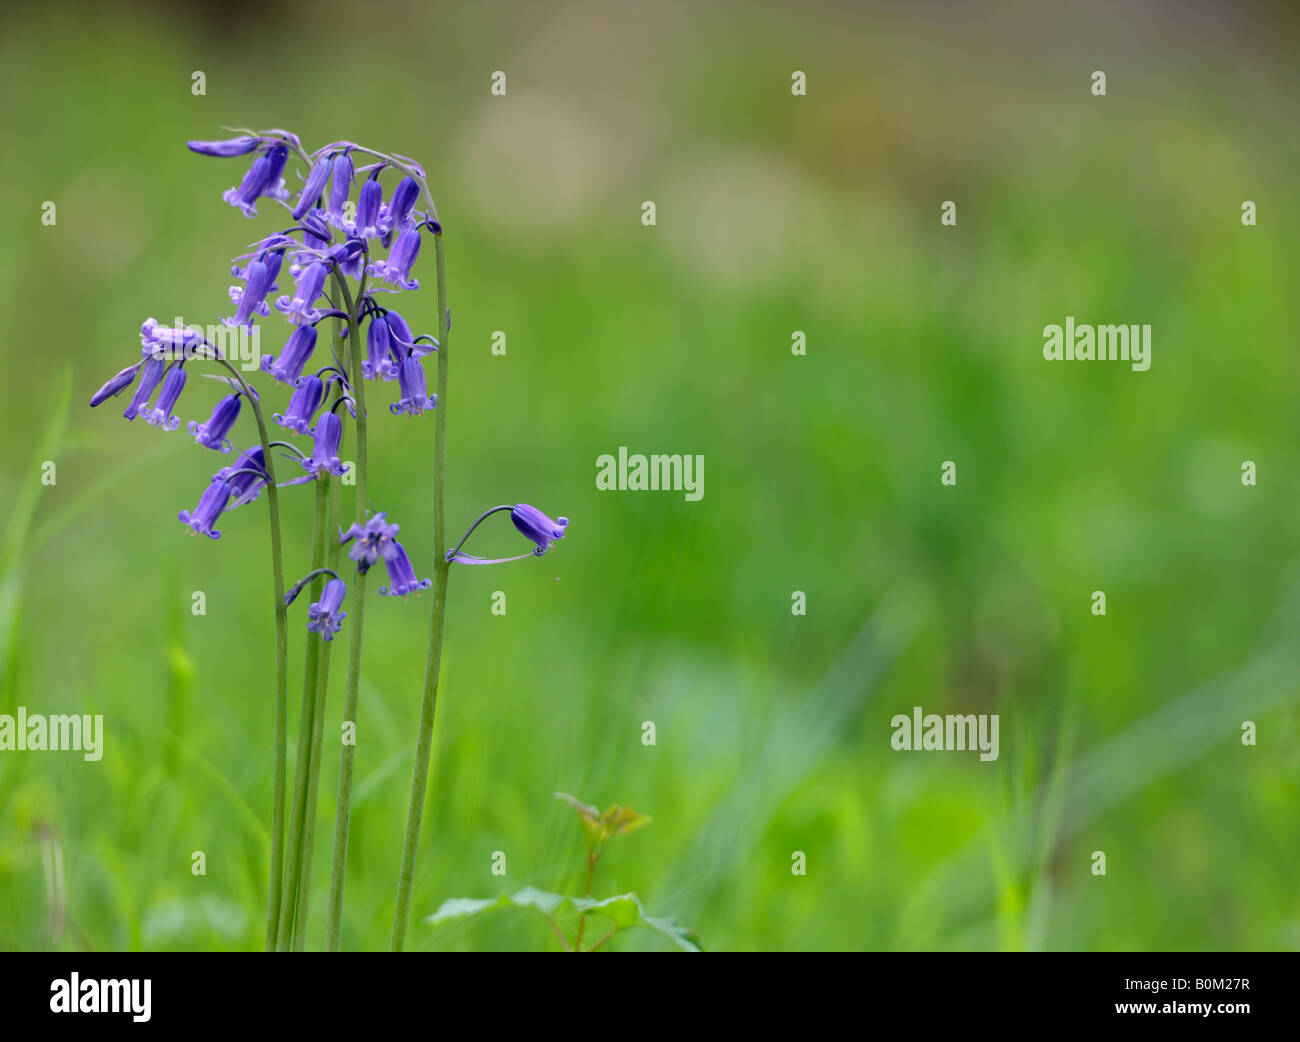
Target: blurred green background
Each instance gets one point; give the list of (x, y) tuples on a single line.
[(775, 213)]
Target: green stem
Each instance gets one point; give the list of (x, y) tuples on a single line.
[(306, 732), (601, 943), (433, 659), (555, 928), (478, 521), (592, 857), (281, 665), (317, 741), (343, 806)]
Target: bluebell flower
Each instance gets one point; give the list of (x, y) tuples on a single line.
[(211, 504), (323, 616), (246, 477), (235, 146), (375, 539), (287, 367), (404, 341), (212, 434), (115, 385), (367, 225), (315, 236), (401, 575), (250, 299), (167, 341), (162, 414), (279, 156), (325, 451), (245, 196), (320, 173), (262, 178), (303, 405), (340, 188), (396, 216), (317, 228), (273, 259), (396, 270), (149, 377), (377, 363), (311, 283), (349, 256), (270, 251), (535, 525), (415, 395)]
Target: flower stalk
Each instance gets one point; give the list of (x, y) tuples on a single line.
[(317, 741), (343, 805), (306, 736), (433, 655), (281, 665), (303, 274)]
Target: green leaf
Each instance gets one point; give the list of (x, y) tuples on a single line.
[(624, 912)]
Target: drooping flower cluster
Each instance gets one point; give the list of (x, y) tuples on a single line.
[(333, 236), (346, 250)]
